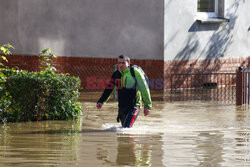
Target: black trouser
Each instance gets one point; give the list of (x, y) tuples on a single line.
[(128, 116)]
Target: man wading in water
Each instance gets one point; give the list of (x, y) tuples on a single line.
[(132, 90)]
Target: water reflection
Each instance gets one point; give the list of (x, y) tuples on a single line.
[(39, 143), (242, 143), (209, 150), (131, 151), (126, 150)]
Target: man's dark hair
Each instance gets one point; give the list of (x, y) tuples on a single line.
[(124, 57)]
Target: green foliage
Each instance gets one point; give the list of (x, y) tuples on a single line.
[(6, 51), (32, 96), (46, 57)]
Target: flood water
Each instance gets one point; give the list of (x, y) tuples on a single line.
[(175, 134)]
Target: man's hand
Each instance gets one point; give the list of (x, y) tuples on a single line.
[(99, 105), (146, 111)]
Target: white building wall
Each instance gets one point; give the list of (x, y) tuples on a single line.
[(187, 39)]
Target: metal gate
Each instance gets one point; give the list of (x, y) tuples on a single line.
[(220, 87)]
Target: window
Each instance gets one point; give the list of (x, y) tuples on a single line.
[(210, 11), (207, 8)]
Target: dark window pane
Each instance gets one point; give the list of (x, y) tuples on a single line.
[(206, 5)]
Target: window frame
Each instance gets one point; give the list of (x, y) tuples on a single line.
[(209, 14)]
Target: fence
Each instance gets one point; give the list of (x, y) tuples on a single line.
[(205, 87), (183, 87), (94, 78)]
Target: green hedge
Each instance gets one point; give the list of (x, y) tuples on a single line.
[(31, 96)]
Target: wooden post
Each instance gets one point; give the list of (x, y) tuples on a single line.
[(240, 86)]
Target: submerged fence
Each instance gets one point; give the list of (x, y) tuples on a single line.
[(219, 87), (204, 87), (94, 79)]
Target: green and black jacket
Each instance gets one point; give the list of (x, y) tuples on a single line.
[(131, 91)]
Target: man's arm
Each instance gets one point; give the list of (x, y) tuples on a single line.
[(108, 90), (143, 88)]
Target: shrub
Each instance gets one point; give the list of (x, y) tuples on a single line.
[(4, 101), (44, 95)]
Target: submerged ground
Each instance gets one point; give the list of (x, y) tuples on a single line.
[(175, 134)]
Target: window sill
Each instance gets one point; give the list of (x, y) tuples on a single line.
[(212, 20)]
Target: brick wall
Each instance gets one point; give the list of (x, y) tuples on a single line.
[(99, 68), (225, 65), (156, 70)]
